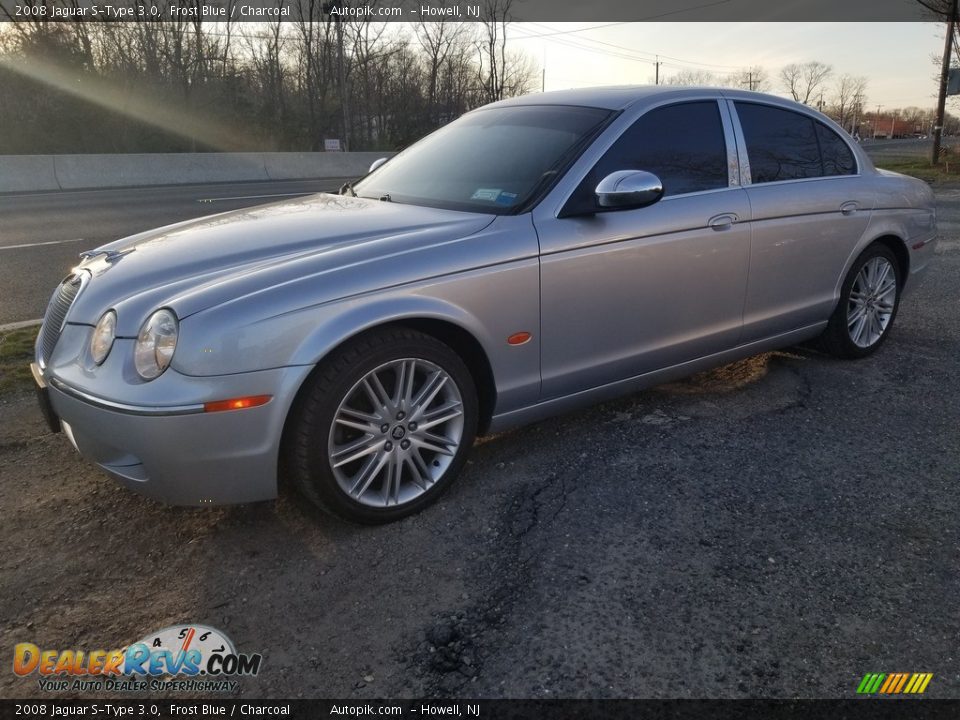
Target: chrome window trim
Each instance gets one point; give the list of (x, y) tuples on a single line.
[(730, 137), (746, 178)]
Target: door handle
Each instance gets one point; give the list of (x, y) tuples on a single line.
[(722, 222), (849, 207)]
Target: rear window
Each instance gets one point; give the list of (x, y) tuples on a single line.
[(781, 144), (837, 156)]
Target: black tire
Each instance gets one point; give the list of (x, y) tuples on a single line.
[(836, 338), (305, 455)]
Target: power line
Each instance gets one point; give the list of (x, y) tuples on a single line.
[(621, 52), (639, 52)]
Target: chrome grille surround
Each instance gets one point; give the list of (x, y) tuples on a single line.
[(56, 315)]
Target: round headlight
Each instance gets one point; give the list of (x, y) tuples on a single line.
[(102, 339), (155, 344)]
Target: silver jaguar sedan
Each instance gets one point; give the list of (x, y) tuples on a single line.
[(533, 256)]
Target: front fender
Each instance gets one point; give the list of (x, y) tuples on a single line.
[(490, 304)]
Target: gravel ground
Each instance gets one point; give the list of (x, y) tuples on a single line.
[(776, 528)]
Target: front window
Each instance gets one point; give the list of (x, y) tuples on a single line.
[(492, 161), (681, 144)]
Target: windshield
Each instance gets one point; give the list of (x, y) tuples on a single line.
[(490, 161)]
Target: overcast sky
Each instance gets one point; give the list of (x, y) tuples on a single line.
[(894, 57)]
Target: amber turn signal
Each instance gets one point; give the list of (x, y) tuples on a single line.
[(241, 403)]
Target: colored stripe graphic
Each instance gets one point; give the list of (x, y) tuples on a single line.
[(871, 683), (894, 683)]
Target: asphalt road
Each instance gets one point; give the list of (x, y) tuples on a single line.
[(776, 528), (881, 150), (42, 233)]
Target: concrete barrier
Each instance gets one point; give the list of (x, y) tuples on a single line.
[(25, 173), (305, 166), (77, 172), (19, 173)]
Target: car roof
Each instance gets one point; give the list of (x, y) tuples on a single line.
[(618, 97)]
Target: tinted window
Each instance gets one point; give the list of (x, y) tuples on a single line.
[(781, 145), (837, 157), (491, 160), (682, 144)]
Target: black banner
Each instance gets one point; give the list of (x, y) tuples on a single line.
[(597, 11), (854, 709)]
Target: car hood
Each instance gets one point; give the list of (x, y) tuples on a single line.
[(194, 265)]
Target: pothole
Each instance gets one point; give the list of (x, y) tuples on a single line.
[(724, 379)]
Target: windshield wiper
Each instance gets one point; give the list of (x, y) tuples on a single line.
[(386, 198), (347, 187)]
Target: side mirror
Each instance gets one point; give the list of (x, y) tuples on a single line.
[(626, 189), (377, 163)]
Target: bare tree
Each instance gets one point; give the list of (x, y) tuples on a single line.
[(492, 47), (692, 77), (438, 40), (849, 95), (804, 80)]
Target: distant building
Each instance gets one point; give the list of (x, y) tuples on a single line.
[(888, 126)]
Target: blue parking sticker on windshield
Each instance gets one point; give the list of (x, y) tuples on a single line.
[(506, 198), (489, 194)]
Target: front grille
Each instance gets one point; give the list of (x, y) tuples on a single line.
[(56, 314)]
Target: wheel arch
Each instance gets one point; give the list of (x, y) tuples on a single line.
[(886, 237), (898, 247), (457, 337)]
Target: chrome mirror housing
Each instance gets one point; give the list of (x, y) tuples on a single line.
[(377, 163), (627, 189)]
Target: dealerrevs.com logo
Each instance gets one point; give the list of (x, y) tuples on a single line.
[(190, 658)]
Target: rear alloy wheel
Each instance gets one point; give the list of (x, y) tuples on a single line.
[(385, 426), (869, 301)]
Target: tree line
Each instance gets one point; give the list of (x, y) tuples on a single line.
[(191, 85)]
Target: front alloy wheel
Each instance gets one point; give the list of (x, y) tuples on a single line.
[(396, 432), (382, 427)]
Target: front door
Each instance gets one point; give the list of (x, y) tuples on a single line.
[(627, 292)]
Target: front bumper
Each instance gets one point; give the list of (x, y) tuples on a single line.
[(181, 455)]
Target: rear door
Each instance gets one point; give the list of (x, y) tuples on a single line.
[(809, 207)]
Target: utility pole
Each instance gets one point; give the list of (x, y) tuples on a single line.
[(657, 75), (944, 75)]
